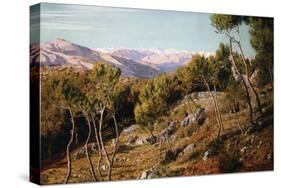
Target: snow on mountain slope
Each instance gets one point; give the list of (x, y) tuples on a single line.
[(166, 60), (131, 67), (139, 62), (60, 53)]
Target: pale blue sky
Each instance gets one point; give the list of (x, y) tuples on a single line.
[(106, 27)]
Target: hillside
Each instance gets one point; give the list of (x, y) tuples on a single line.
[(141, 63), (189, 150)]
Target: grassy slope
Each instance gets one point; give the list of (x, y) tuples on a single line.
[(132, 160)]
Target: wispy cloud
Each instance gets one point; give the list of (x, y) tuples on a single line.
[(82, 18), (70, 26), (84, 11), (101, 9)]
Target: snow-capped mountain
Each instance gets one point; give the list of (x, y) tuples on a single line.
[(61, 53), (166, 60), (143, 63)]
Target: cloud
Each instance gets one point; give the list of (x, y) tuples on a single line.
[(71, 26), (84, 11), (101, 9), (77, 17)]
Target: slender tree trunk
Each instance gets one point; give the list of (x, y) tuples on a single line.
[(99, 148), (160, 144), (248, 79), (168, 140), (76, 139), (189, 106), (86, 147), (270, 70), (218, 109), (68, 147), (151, 134), (193, 102), (101, 140), (49, 152), (115, 147), (215, 108), (243, 81), (238, 122)]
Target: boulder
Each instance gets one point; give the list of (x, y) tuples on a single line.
[(260, 144), (113, 142), (135, 140), (149, 140), (200, 116), (150, 173), (208, 153), (104, 167), (130, 129), (188, 148), (166, 133), (140, 141), (269, 156), (93, 147), (171, 127), (132, 140), (144, 174), (186, 121), (79, 154), (174, 137), (243, 149)]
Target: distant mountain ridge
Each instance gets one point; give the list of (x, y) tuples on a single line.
[(142, 63)]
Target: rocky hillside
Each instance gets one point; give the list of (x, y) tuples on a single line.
[(183, 145)]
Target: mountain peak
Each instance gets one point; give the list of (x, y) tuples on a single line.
[(58, 41)]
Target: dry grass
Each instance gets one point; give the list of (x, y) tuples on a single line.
[(131, 161)]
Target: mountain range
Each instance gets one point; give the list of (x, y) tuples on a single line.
[(141, 63)]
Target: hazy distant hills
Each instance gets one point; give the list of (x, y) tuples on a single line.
[(143, 63), (165, 60)]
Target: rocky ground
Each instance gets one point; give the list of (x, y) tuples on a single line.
[(187, 147)]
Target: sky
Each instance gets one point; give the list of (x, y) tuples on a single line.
[(108, 27)]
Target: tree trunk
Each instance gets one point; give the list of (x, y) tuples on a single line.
[(101, 140), (160, 144), (270, 70), (243, 81), (68, 147), (115, 147), (86, 147), (194, 103), (218, 109), (248, 79), (168, 140), (214, 105), (99, 148), (238, 122), (151, 134)]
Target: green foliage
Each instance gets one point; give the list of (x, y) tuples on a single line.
[(81, 91), (186, 81), (223, 22), (104, 77), (261, 32), (204, 69), (222, 57), (234, 95), (153, 99)]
